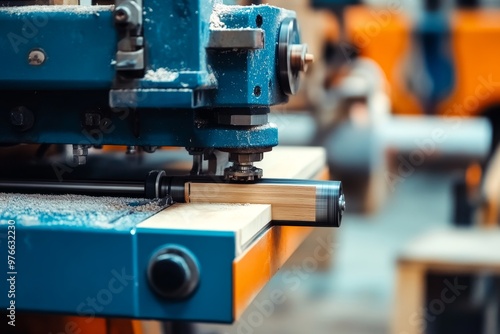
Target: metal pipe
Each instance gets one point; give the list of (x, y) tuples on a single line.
[(428, 138), (132, 189), (294, 202)]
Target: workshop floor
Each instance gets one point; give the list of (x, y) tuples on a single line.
[(355, 295)]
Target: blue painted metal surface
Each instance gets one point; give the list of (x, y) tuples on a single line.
[(124, 126), (181, 75), (96, 265), (238, 73), (80, 47)]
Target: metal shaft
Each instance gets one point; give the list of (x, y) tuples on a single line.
[(130, 189), (298, 202)]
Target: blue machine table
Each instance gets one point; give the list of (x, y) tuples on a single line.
[(90, 257)]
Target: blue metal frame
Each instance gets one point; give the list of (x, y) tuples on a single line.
[(80, 49), (81, 45), (123, 126), (90, 270)]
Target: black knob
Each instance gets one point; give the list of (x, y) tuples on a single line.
[(173, 273), (22, 118)]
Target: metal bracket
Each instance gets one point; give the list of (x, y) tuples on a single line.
[(236, 39), (129, 21), (130, 60)]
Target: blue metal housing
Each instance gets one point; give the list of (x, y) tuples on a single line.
[(95, 267), (181, 75), (80, 47)]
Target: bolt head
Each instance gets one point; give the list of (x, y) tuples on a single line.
[(173, 274), (36, 57)]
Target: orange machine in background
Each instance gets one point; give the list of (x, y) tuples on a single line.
[(386, 34), (475, 54)]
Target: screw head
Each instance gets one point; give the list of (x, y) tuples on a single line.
[(36, 57)]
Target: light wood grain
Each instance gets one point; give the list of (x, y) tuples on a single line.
[(448, 251), (244, 220), (410, 292), (65, 2), (288, 202), (456, 247), (293, 162)]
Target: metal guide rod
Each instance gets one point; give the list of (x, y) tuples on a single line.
[(296, 202), (129, 189)]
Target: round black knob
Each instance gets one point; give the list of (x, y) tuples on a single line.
[(173, 273), (22, 118)]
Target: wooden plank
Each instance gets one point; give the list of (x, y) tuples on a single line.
[(293, 203), (257, 265), (410, 292), (288, 202), (65, 2), (293, 162), (282, 162), (448, 251), (466, 248), (245, 221)]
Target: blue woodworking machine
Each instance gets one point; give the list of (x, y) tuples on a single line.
[(195, 74), (143, 74)]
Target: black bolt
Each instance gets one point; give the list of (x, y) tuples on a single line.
[(22, 118), (173, 274)]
